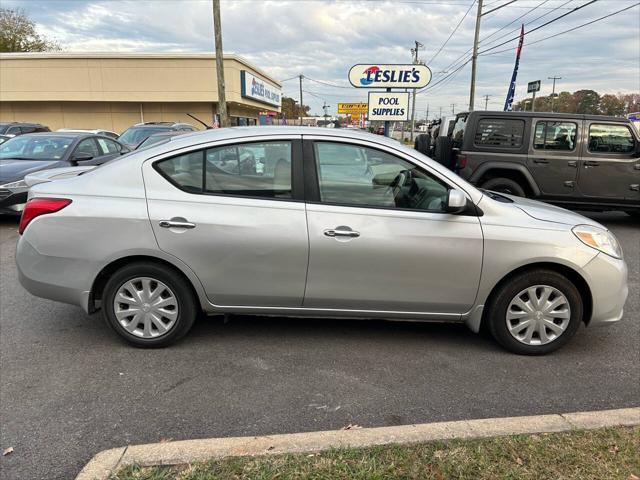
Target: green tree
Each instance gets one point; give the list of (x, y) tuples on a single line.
[(611, 105), (586, 101), (290, 109), (18, 33)]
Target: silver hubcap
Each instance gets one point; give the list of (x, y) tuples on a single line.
[(538, 315), (146, 307)]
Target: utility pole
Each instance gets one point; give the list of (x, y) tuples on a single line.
[(474, 57), (440, 113), (301, 111), (217, 33), (427, 116), (453, 109), (553, 93), (413, 103), (486, 101), (324, 107)]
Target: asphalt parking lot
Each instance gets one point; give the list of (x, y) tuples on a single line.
[(70, 388)]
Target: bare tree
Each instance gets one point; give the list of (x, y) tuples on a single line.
[(18, 33)]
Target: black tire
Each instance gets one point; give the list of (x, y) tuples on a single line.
[(504, 185), (186, 302), (505, 293), (423, 144)]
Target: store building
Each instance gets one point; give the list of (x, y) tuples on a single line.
[(115, 91)]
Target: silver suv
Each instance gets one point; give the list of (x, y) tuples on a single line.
[(312, 222)]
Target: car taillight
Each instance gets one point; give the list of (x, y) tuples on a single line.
[(461, 161), (40, 206)]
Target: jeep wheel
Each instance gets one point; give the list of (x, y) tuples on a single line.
[(423, 143), (504, 185)]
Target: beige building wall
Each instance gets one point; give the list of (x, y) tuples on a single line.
[(115, 91)]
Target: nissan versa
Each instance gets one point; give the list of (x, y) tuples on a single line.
[(300, 221)]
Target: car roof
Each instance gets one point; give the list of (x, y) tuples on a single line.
[(580, 116), (231, 133)]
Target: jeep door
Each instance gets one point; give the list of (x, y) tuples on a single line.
[(610, 167), (554, 154)]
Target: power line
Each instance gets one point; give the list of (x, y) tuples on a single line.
[(517, 29), (452, 33), (543, 25), (513, 21), (569, 30), (327, 83)]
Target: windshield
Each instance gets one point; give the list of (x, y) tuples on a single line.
[(35, 148), (135, 135), (3, 139)]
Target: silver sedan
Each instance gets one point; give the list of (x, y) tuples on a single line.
[(312, 222)]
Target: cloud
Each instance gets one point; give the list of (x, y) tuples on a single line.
[(323, 39)]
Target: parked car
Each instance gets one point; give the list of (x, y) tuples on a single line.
[(158, 138), (4, 138), (337, 223), (587, 162), (134, 136), (104, 133), (13, 129), (40, 151)]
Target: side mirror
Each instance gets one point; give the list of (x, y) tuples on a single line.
[(81, 157), (455, 202)]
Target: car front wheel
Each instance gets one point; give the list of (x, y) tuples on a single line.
[(148, 305), (535, 312)]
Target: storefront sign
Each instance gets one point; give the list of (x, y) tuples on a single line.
[(356, 108), (389, 76), (389, 106), (257, 89)]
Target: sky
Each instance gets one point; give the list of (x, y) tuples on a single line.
[(323, 39)]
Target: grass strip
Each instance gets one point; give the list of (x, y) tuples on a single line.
[(609, 453)]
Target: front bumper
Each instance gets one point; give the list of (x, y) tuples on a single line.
[(607, 278)]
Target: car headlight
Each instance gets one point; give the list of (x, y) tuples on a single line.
[(16, 184), (598, 238)]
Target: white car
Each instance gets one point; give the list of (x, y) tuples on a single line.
[(106, 133)]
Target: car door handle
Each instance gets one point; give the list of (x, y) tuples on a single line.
[(540, 160), (572, 163), (591, 163), (341, 233), (175, 224)]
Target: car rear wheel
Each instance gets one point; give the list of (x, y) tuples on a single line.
[(535, 312), (504, 185), (148, 305)]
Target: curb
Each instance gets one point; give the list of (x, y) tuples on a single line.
[(107, 462)]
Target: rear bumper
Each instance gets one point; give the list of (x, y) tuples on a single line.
[(607, 278), (55, 278), (12, 202)]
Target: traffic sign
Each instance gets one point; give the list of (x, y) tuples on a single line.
[(533, 86)]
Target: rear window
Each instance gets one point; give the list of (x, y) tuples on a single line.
[(500, 132)]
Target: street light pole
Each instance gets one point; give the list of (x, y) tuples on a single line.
[(301, 110), (553, 92), (217, 33)]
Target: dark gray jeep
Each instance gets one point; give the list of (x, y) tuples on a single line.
[(587, 162)]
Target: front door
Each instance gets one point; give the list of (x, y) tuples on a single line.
[(610, 167), (234, 215), (553, 156), (379, 238)]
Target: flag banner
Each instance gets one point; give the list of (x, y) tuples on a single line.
[(508, 104)]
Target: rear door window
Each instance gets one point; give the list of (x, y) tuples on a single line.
[(555, 136), (107, 146), (500, 132)]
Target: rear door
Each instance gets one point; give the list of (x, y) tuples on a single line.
[(108, 149), (610, 167), (554, 154), (234, 213), (379, 239)]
